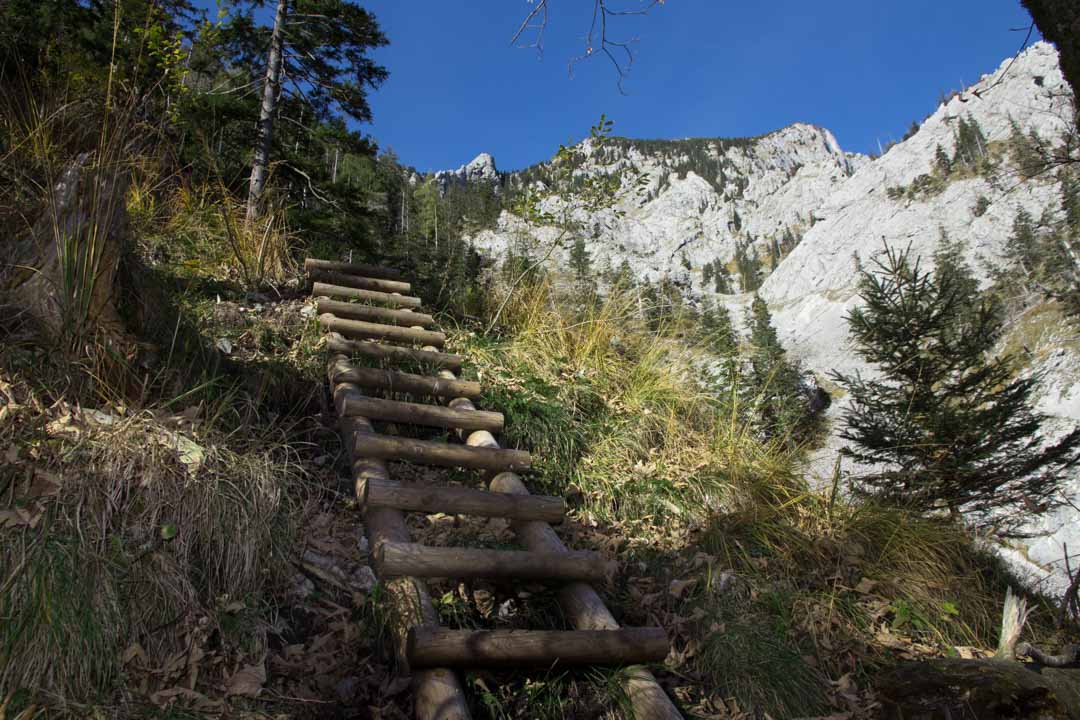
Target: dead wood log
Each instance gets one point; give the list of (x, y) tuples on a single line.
[(979, 690)]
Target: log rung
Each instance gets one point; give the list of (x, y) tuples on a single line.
[(398, 559), (358, 281), (394, 381), (367, 331), (381, 351), (420, 414), (427, 452), (391, 299), (429, 647), (374, 271), (462, 501), (355, 311)]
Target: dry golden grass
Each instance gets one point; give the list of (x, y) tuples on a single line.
[(123, 534), (619, 418)]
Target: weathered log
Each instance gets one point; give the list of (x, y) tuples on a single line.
[(356, 311), (580, 603), (438, 692), (439, 647), (978, 690), (393, 559), (372, 271), (365, 330), (444, 385), (391, 299), (463, 501), (393, 381), (378, 351), (583, 607), (356, 281), (421, 414), (426, 452)]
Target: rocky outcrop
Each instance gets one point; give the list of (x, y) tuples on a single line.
[(707, 198), (480, 170)]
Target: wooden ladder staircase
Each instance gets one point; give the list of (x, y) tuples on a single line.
[(368, 314)]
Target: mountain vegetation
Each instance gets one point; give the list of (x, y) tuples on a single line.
[(949, 422), (179, 522)]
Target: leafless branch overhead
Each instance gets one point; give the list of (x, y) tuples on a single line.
[(598, 41)]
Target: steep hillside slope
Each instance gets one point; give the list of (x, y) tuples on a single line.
[(810, 213), (814, 287)]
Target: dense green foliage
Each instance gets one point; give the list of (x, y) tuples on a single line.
[(952, 424)]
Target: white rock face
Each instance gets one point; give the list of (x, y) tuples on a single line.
[(770, 184), (479, 170), (815, 286), (799, 178)]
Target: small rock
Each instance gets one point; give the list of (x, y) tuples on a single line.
[(363, 579), (301, 588)]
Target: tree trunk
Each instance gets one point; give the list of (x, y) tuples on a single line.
[(1059, 22), (260, 167), (63, 271)]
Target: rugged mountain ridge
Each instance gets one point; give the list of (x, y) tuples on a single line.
[(710, 200)]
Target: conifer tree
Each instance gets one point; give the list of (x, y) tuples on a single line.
[(951, 424), (776, 381), (579, 259), (717, 329)]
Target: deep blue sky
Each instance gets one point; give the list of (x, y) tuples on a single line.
[(704, 68)]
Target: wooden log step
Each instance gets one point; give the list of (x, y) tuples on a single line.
[(463, 501), (427, 452), (391, 299), (361, 283), (398, 559), (365, 330), (421, 414), (395, 381), (376, 351), (355, 311), (372, 271), (439, 647)]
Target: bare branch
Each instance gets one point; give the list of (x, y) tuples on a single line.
[(597, 39)]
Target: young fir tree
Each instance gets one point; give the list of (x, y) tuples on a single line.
[(718, 332), (579, 259), (776, 383), (952, 425)]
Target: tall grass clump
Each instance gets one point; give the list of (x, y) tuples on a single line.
[(620, 416), (123, 537)]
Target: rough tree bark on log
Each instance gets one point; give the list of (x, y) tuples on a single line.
[(62, 271)]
